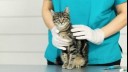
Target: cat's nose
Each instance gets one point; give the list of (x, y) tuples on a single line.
[(61, 20)]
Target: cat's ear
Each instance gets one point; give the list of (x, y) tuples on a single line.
[(67, 10), (53, 13)]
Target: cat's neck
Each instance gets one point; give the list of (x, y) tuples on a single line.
[(67, 31)]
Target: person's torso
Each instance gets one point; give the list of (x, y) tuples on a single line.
[(95, 14)]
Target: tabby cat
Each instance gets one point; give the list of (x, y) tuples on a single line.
[(76, 54)]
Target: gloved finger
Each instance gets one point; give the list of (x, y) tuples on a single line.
[(62, 48), (81, 37), (79, 34), (60, 43), (77, 29), (61, 39), (56, 36), (85, 27)]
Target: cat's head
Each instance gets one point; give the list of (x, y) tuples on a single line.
[(61, 20)]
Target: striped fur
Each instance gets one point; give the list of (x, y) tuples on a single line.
[(76, 54)]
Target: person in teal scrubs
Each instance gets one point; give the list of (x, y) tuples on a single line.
[(98, 21)]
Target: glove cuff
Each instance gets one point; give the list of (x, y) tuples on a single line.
[(54, 29), (100, 36)]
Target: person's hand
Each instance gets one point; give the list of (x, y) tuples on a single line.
[(82, 32), (57, 41)]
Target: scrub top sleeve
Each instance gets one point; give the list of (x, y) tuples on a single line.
[(117, 2)]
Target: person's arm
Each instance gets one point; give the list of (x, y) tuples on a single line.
[(118, 23), (46, 13), (57, 41), (98, 35)]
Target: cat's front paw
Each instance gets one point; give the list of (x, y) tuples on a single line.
[(78, 66), (64, 66), (70, 66), (79, 62)]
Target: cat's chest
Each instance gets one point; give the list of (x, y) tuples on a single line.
[(65, 35)]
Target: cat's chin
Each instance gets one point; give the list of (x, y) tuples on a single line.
[(64, 28)]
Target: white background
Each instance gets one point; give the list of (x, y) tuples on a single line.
[(23, 35)]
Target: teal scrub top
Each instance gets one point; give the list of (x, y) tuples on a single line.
[(95, 14)]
